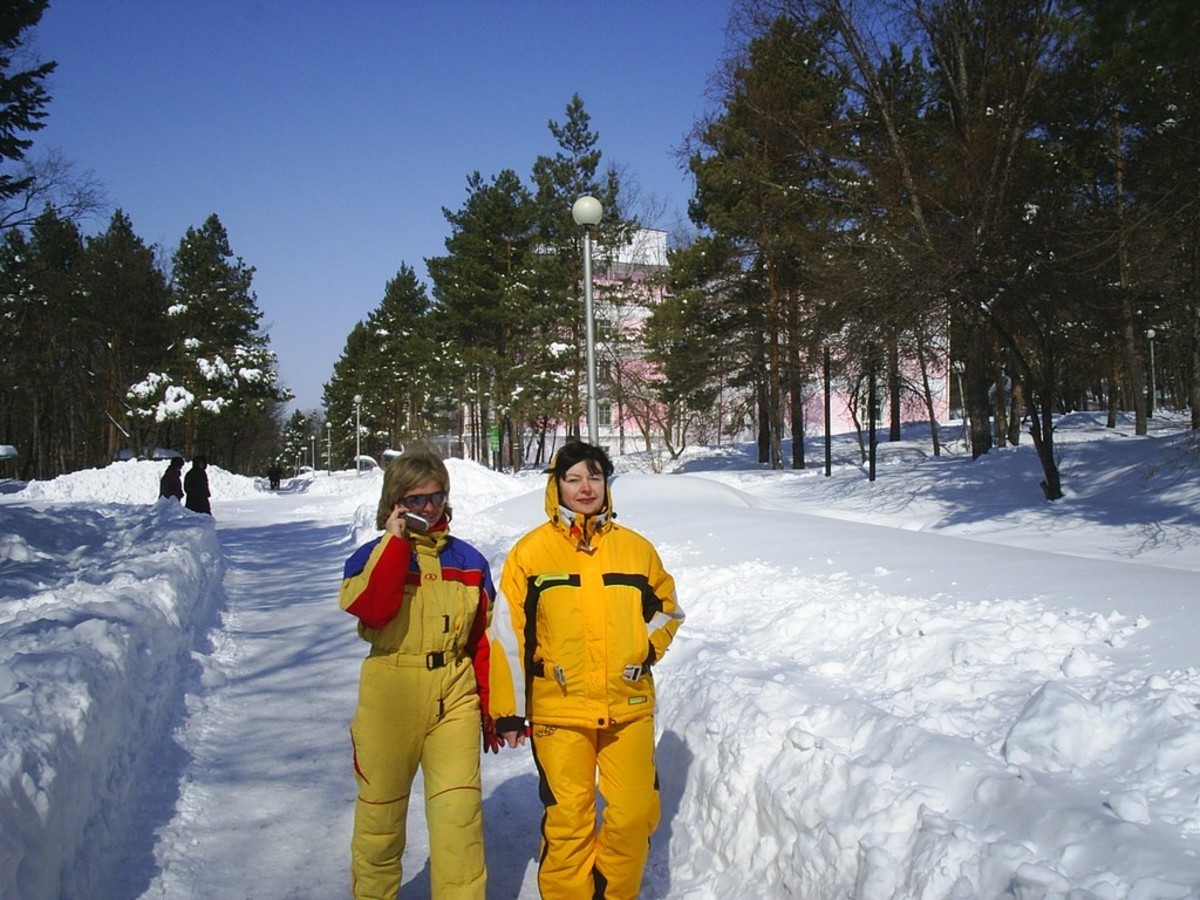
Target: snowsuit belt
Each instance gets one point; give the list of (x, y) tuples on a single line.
[(438, 659)]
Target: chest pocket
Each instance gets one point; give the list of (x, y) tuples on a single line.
[(446, 608), (554, 620)]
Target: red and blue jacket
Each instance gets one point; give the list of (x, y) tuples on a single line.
[(429, 596)]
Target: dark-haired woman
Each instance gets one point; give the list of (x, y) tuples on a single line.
[(171, 485), (593, 610)]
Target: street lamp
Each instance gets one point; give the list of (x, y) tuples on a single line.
[(587, 212), (329, 446), (1153, 387), (312, 450), (357, 435)]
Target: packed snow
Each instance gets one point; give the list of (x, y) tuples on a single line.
[(930, 685)]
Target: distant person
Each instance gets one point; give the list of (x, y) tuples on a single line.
[(432, 686), (273, 475), (171, 483), (593, 610), (195, 485)]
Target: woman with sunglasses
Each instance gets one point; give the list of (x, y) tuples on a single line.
[(431, 682)]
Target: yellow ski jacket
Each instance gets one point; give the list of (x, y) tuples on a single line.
[(592, 608), (429, 597)]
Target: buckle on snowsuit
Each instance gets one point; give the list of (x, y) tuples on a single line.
[(435, 660)]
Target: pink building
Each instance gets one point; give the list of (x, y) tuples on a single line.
[(627, 288)]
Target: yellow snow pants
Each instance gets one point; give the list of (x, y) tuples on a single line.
[(579, 862), (408, 716)]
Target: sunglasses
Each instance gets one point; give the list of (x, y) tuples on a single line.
[(418, 501)]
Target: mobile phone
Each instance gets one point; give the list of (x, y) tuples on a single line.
[(413, 522)]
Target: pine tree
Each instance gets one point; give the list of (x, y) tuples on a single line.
[(401, 360), (352, 377), (23, 94), (491, 308), (768, 174), (127, 293), (695, 338), (56, 360), (222, 377), (572, 172)]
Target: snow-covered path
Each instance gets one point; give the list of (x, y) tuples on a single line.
[(272, 725)]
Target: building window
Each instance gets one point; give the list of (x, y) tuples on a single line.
[(604, 370), (604, 414)]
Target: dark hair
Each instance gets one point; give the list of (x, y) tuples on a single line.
[(576, 452)]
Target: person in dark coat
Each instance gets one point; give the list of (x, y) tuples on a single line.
[(274, 473), (170, 484), (195, 485)]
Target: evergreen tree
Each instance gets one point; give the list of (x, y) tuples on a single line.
[(560, 180), (492, 314), (23, 94), (401, 360), (296, 441), (126, 291), (768, 173), (51, 358), (222, 376), (351, 377), (696, 339)]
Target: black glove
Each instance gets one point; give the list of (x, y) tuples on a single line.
[(641, 670)]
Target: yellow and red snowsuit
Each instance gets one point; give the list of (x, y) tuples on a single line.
[(592, 608), (424, 603)]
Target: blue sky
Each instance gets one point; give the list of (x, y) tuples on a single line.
[(328, 136)]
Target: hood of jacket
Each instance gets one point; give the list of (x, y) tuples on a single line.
[(580, 530)]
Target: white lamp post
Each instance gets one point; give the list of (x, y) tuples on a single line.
[(328, 446), (1153, 387), (357, 435), (587, 212)]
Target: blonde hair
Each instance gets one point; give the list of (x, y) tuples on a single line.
[(403, 474)]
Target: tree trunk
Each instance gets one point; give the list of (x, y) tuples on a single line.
[(976, 383), (764, 422), (795, 381), (927, 394), (1001, 406), (1114, 394), (1014, 419), (1193, 291), (893, 387), (1041, 428)]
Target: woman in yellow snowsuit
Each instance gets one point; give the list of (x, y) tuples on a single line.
[(592, 609), (430, 683)]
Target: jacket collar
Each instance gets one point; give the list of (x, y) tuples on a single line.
[(434, 540)]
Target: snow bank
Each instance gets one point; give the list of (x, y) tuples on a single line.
[(135, 481), (100, 612)]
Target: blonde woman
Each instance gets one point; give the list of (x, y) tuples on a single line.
[(431, 684)]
